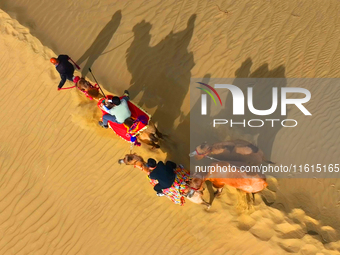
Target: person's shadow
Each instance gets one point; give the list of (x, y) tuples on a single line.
[(161, 72), (187, 132), (100, 43)]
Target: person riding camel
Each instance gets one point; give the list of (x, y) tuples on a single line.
[(117, 109), (64, 67), (164, 173)]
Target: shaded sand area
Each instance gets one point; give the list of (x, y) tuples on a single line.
[(61, 189)]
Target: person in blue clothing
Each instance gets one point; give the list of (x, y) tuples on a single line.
[(117, 109)]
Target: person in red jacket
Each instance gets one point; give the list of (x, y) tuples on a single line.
[(64, 67)]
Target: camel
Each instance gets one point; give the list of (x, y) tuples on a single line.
[(250, 183), (236, 150), (151, 136), (87, 88), (190, 193)]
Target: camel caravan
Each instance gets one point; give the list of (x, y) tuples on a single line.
[(133, 124)]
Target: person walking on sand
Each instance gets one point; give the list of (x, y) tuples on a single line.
[(64, 67)]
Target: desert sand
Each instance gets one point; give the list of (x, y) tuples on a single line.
[(61, 188)]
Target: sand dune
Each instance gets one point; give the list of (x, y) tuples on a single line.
[(62, 191)]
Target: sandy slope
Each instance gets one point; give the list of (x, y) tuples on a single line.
[(62, 191)]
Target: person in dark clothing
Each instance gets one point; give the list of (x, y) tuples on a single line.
[(163, 173), (64, 67)]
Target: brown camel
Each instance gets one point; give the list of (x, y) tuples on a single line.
[(88, 89), (237, 150), (236, 177), (192, 194), (149, 136)]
